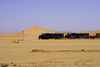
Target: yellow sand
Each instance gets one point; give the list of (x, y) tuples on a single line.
[(20, 55)]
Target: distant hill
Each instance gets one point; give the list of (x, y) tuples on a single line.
[(35, 31), (91, 32), (11, 35)]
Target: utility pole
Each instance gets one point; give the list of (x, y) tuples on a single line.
[(22, 35)]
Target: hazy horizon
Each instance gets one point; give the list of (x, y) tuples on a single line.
[(56, 15)]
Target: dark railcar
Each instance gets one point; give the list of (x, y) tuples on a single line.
[(51, 36), (71, 35), (83, 35), (77, 35)]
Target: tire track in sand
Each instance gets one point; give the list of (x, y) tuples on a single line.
[(82, 63)]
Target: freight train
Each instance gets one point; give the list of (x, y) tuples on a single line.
[(69, 36)]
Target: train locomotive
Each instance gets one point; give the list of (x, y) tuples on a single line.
[(51, 36)]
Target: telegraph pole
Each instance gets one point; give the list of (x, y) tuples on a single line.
[(22, 35)]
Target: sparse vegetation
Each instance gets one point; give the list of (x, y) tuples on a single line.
[(82, 50), (37, 50), (12, 63), (4, 65), (15, 65), (41, 50)]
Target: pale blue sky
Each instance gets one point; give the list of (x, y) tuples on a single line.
[(57, 15)]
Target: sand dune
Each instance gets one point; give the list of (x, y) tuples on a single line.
[(35, 31), (11, 35), (91, 32)]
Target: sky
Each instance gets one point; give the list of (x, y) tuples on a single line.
[(56, 15)]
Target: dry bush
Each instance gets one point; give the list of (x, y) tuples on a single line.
[(41, 50), (4, 65), (37, 50)]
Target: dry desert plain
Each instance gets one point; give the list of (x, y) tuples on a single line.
[(56, 53)]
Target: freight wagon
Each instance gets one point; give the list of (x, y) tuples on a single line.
[(71, 35), (97, 36), (51, 36), (77, 35), (83, 35)]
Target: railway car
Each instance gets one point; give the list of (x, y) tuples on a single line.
[(77, 35), (94, 37), (83, 35), (71, 36), (98, 35), (51, 36)]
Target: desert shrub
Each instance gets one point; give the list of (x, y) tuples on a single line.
[(12, 63), (15, 65), (82, 50), (37, 50), (4, 65)]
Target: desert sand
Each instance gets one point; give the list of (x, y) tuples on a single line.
[(21, 55), (31, 52)]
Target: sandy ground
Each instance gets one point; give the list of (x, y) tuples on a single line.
[(20, 55)]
